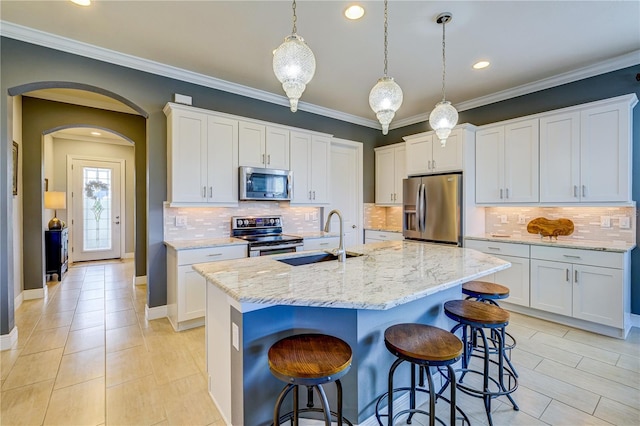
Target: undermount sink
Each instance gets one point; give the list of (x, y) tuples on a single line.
[(314, 258)]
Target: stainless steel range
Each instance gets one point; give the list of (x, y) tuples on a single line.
[(264, 235)]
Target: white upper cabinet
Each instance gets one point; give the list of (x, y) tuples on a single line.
[(202, 157), (425, 155), (263, 146), (390, 171), (310, 163), (507, 163), (585, 155)]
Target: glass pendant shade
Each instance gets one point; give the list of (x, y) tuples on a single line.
[(294, 66), (385, 99), (443, 119)]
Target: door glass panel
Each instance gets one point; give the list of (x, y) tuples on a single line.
[(97, 208)]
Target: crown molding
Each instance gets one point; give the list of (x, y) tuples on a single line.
[(609, 65), (41, 38), (52, 41)]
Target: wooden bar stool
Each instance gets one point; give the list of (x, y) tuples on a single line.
[(423, 346), (473, 317), (309, 360), (487, 292)]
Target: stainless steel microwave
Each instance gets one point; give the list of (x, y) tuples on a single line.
[(265, 184)]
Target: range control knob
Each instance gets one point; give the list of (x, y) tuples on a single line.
[(277, 221)]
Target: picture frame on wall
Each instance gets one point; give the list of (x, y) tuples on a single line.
[(15, 168)]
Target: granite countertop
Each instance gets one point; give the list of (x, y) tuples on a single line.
[(388, 274), (384, 229), (316, 234), (564, 242), (204, 243)]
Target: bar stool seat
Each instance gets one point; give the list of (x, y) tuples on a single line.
[(423, 346), (309, 360), (476, 316)]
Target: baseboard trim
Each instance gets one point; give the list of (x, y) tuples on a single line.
[(635, 320), (128, 255), (36, 293), (141, 280), (8, 340), (156, 312), (18, 301)]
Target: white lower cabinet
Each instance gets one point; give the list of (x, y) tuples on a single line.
[(588, 285), (186, 289), (372, 236), (515, 278), (324, 243)]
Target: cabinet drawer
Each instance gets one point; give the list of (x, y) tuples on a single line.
[(578, 256), (383, 235), (498, 248), (211, 254)]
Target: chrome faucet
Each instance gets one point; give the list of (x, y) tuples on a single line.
[(341, 253)]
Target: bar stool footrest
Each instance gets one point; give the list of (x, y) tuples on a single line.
[(384, 396)]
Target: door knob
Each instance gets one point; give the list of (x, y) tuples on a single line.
[(353, 226), (117, 223)]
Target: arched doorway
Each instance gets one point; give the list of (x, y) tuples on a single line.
[(40, 117)]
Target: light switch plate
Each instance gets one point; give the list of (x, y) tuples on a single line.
[(625, 222), (181, 221), (503, 218), (605, 221), (521, 219), (235, 336)]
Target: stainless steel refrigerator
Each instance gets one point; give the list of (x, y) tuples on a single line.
[(432, 208)]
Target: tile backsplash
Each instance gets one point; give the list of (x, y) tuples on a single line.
[(586, 220), (377, 217), (215, 222)]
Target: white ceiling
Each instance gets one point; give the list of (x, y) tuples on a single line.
[(526, 42)]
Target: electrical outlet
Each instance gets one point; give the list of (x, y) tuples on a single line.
[(605, 221), (314, 216), (625, 222), (503, 219), (181, 221), (521, 219)]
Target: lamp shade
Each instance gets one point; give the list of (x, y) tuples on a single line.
[(385, 99), (443, 119), (294, 65), (55, 200)]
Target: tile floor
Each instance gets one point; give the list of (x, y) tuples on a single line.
[(86, 355)]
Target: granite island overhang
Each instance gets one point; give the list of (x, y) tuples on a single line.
[(253, 302)]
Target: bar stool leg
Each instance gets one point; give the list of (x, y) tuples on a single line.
[(452, 395), (339, 392), (325, 404), (485, 384), (432, 398), (392, 370), (501, 337), (279, 401)]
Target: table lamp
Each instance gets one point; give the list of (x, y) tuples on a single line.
[(55, 200)]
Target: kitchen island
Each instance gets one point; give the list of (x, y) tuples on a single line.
[(253, 302)]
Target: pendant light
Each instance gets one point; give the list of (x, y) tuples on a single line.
[(294, 64), (444, 116), (385, 97)]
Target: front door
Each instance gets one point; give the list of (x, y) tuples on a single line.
[(346, 189), (96, 221)]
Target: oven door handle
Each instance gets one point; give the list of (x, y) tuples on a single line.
[(275, 247)]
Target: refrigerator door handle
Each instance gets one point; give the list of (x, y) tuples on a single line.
[(418, 213), (423, 209)]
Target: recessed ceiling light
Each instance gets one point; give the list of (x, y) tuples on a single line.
[(94, 133), (82, 2), (354, 12), (480, 65)]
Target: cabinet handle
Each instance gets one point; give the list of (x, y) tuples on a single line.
[(314, 195), (269, 159), (567, 275), (433, 164), (507, 193), (309, 194), (575, 191), (501, 193), (584, 190), (214, 254), (263, 159), (429, 164), (575, 276), (204, 192), (211, 192), (494, 248), (571, 257), (324, 244)]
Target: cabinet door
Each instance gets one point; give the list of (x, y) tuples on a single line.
[(400, 172), (187, 172), (320, 162), (277, 148), (598, 295), (516, 278), (191, 294), (222, 171), (490, 165), (551, 287), (560, 158), (300, 153), (449, 157), (521, 155), (251, 144), (605, 154), (419, 155), (385, 175)]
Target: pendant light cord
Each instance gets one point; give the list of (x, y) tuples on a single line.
[(385, 38), (444, 69), (295, 17)]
